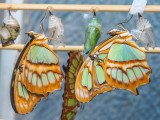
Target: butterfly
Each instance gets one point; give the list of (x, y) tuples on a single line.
[(70, 104), (36, 73), (117, 63), (92, 34)]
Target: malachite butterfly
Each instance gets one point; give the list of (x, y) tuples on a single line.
[(70, 104), (117, 63), (36, 74)]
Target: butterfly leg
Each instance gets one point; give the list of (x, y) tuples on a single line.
[(20, 68), (82, 106)]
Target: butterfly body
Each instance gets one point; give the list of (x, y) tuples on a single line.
[(117, 63), (36, 74), (92, 35)]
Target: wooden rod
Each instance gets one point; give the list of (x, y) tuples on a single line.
[(67, 48), (75, 7), (59, 48)]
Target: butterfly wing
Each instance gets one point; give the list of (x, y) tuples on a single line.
[(22, 100), (91, 80), (126, 66), (70, 103), (24, 96), (42, 73)]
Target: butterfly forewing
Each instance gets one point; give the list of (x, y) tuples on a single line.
[(126, 66), (42, 73), (90, 80), (70, 103)]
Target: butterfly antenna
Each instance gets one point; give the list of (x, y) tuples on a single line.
[(41, 22), (135, 37), (122, 26), (127, 19)]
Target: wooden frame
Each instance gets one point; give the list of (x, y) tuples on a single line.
[(73, 7)]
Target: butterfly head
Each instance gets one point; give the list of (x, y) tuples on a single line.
[(114, 32), (37, 36), (32, 34), (121, 33)]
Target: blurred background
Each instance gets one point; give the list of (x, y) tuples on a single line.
[(115, 105)]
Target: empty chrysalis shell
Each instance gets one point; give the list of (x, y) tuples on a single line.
[(9, 31), (4, 33), (144, 32), (56, 30)]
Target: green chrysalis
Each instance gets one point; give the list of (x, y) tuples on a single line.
[(92, 34)]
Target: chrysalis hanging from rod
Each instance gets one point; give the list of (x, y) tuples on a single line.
[(144, 32), (56, 30), (92, 34), (9, 30)]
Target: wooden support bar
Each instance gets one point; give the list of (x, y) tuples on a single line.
[(67, 48), (59, 48), (75, 7)]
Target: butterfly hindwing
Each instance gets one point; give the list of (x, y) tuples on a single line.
[(126, 66), (70, 104), (24, 101)]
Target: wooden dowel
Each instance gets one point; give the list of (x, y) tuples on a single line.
[(75, 7), (59, 48), (67, 48)]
